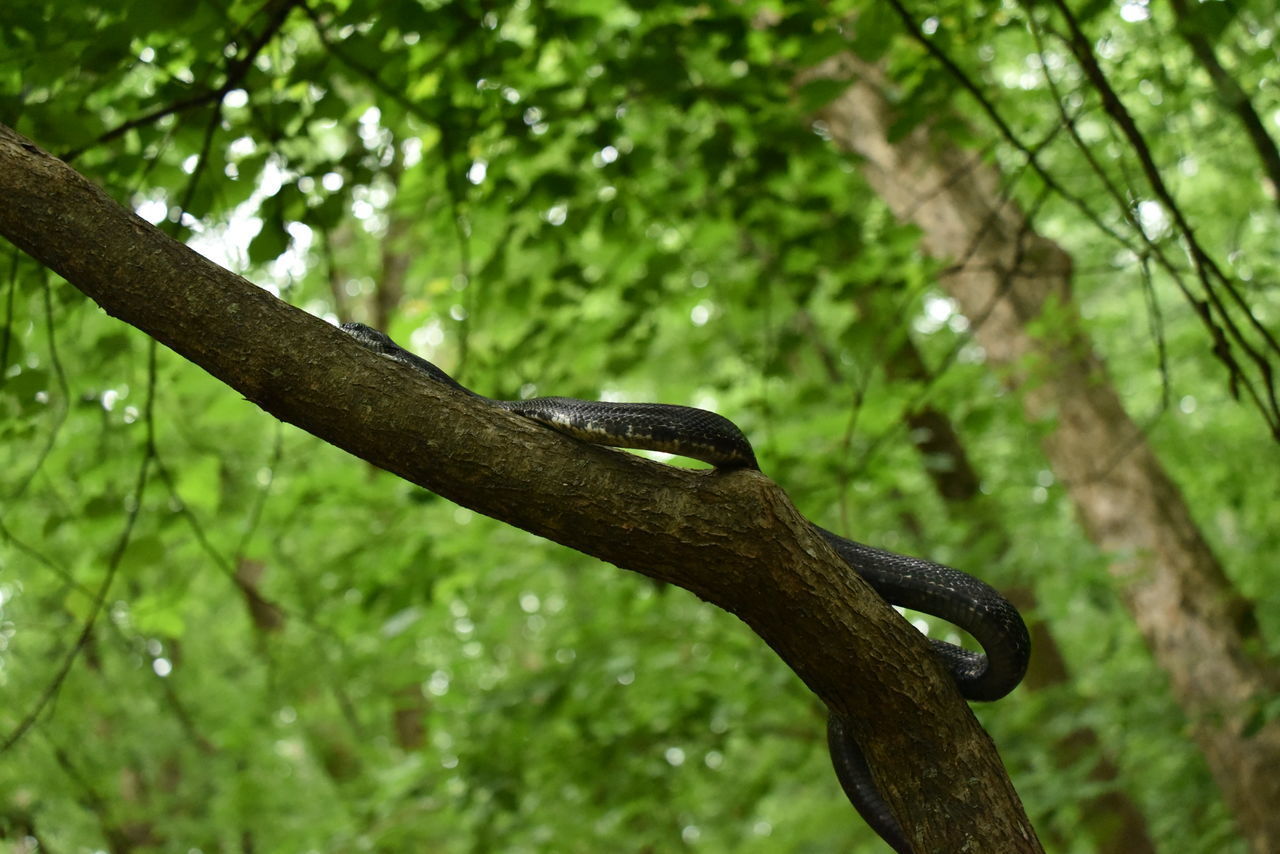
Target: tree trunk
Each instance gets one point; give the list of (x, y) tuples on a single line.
[(1015, 287)]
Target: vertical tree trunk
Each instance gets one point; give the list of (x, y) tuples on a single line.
[(1009, 280)]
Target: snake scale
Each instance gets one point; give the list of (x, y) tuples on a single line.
[(908, 582)]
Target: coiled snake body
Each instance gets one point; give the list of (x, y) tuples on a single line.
[(905, 581)]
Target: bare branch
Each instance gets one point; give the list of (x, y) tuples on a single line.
[(1214, 312)]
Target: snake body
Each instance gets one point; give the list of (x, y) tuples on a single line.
[(908, 582)]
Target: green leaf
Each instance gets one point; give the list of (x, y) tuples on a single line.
[(158, 616), (270, 242)]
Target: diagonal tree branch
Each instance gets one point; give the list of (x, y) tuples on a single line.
[(732, 538)]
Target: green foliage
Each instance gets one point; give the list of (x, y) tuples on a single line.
[(294, 652)]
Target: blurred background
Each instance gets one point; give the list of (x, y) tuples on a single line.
[(219, 634)]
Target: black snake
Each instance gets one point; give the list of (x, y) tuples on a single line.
[(905, 581)]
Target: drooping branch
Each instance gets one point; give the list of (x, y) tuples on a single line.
[(1228, 319), (732, 538), (1220, 291)]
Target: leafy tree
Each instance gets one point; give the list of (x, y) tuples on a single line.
[(219, 632)]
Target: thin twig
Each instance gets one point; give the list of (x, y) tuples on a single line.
[(1206, 268)]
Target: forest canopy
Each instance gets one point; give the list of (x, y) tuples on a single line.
[(992, 284)]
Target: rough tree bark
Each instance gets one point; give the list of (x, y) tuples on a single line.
[(732, 538), (1015, 286)]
